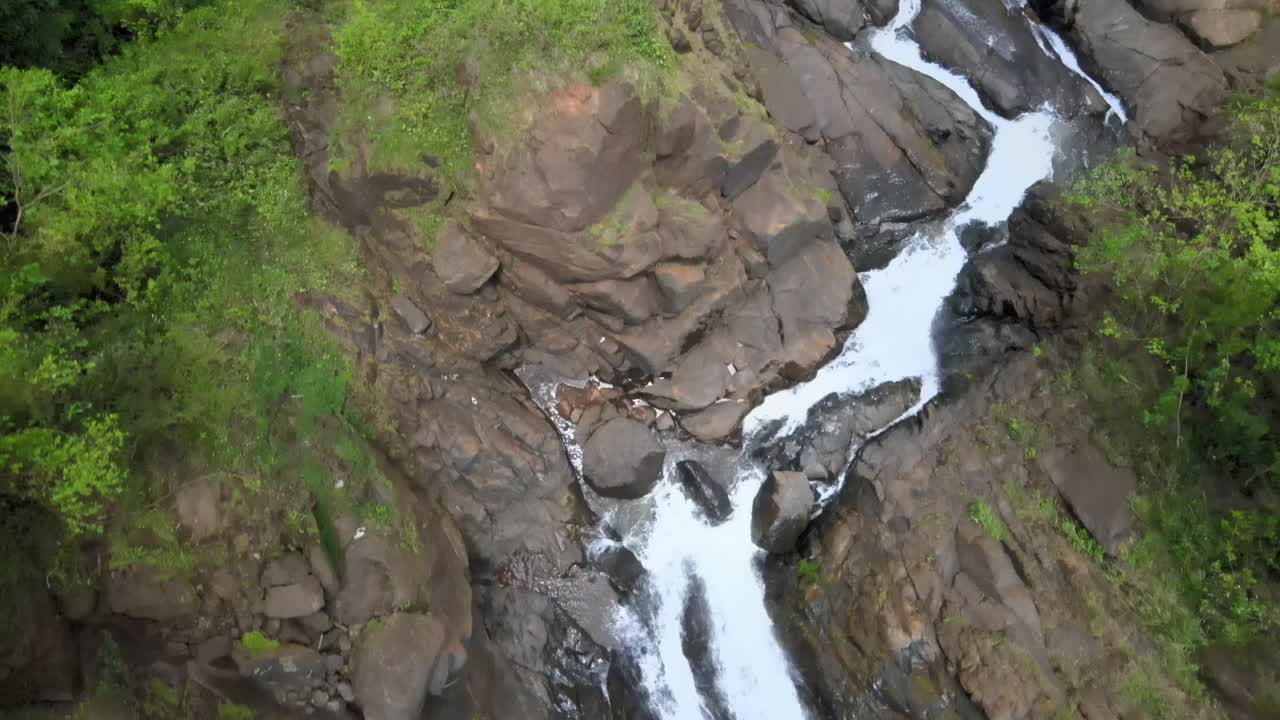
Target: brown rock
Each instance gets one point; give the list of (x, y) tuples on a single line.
[(197, 504), (1217, 29), (394, 664), (294, 601), (781, 511), (462, 262), (622, 459), (1097, 492)]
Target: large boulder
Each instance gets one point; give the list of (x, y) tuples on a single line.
[(1098, 492), (461, 261), (622, 459), (398, 665), (1169, 83), (582, 157), (294, 600), (781, 511), (147, 595), (1216, 29), (995, 47), (710, 496)]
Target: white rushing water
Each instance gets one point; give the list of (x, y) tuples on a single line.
[(894, 342)]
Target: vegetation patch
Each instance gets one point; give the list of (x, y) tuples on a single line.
[(988, 519), (1183, 376), (154, 240), (258, 644), (418, 76)]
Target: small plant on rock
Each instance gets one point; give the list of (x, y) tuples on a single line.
[(808, 572), (258, 644), (987, 519)]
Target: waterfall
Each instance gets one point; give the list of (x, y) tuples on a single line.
[(753, 679)]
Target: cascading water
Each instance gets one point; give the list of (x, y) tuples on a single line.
[(752, 678)]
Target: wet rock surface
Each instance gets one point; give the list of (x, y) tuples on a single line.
[(711, 498), (835, 426), (995, 47), (1171, 86), (781, 511), (696, 637)]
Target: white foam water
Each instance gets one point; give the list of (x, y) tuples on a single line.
[(893, 343)]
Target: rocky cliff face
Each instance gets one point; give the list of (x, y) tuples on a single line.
[(699, 254)]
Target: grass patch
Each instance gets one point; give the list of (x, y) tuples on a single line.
[(232, 711), (808, 572), (986, 518), (258, 645)]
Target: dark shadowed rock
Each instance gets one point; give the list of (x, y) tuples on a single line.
[(977, 235), (995, 48), (394, 664), (744, 173), (781, 511), (143, 594), (622, 459), (696, 637), (842, 19), (410, 314), (1098, 492), (39, 658), (627, 696), (622, 566), (462, 263), (710, 497)]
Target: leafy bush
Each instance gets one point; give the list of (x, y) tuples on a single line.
[(1196, 266), (1184, 370), (154, 240)]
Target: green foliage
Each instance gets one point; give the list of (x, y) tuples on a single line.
[(444, 63), (808, 572), (1212, 563), (156, 241), (1183, 373), (1195, 260), (258, 644), (986, 518), (231, 711)]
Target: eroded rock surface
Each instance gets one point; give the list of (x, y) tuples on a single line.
[(1171, 86), (996, 48)]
